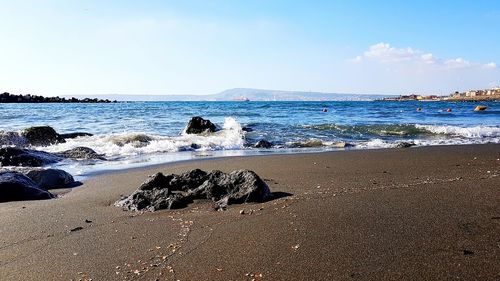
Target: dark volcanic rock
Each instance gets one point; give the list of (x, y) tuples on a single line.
[(81, 153), (263, 144), (176, 191), (42, 135), (405, 144), (13, 156), (75, 135), (51, 178), (198, 125), (16, 186)]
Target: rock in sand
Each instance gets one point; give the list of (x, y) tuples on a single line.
[(176, 191), (51, 178), (16, 187)]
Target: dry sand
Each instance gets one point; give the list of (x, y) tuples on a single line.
[(429, 213)]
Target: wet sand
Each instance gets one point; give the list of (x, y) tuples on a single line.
[(430, 213)]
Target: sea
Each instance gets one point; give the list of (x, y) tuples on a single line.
[(135, 134)]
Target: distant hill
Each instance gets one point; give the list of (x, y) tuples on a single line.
[(271, 95), (245, 93)]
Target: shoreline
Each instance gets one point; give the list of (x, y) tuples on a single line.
[(264, 153), (425, 213)]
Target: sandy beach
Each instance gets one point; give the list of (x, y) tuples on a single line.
[(427, 213)]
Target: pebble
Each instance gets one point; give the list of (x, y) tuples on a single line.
[(242, 212), (76, 229)]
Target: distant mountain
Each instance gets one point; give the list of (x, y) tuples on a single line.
[(271, 95), (239, 94)]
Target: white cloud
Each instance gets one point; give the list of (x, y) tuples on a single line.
[(428, 58), (458, 63), (490, 65), (357, 59), (385, 53)]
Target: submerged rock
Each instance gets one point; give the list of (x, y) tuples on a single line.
[(309, 143), (13, 156), (136, 140), (198, 125), (81, 153), (42, 136), (405, 144), (263, 144), (341, 144), (75, 135), (16, 187), (51, 178), (176, 191)]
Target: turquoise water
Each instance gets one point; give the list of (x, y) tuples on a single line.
[(292, 127)]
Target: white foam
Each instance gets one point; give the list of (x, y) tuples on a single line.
[(376, 143), (12, 139), (467, 132), (129, 144)]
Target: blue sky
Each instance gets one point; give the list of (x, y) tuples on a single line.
[(202, 47)]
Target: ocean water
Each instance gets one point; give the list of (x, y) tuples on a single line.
[(292, 127)]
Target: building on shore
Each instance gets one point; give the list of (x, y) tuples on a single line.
[(485, 94), (413, 97), (470, 95)]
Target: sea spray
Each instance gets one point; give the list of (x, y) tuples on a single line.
[(138, 143), (467, 132)]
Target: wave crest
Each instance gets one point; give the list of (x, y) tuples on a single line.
[(137, 143)]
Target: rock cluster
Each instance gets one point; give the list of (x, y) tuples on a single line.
[(13, 156), (21, 177), (177, 191)]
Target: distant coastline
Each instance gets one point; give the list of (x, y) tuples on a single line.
[(471, 95), (9, 98)]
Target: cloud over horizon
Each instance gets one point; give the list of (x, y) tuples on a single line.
[(384, 53)]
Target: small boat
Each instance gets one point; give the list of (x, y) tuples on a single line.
[(242, 98)]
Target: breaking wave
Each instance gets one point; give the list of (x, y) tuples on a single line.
[(409, 130), (467, 132), (231, 137)]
